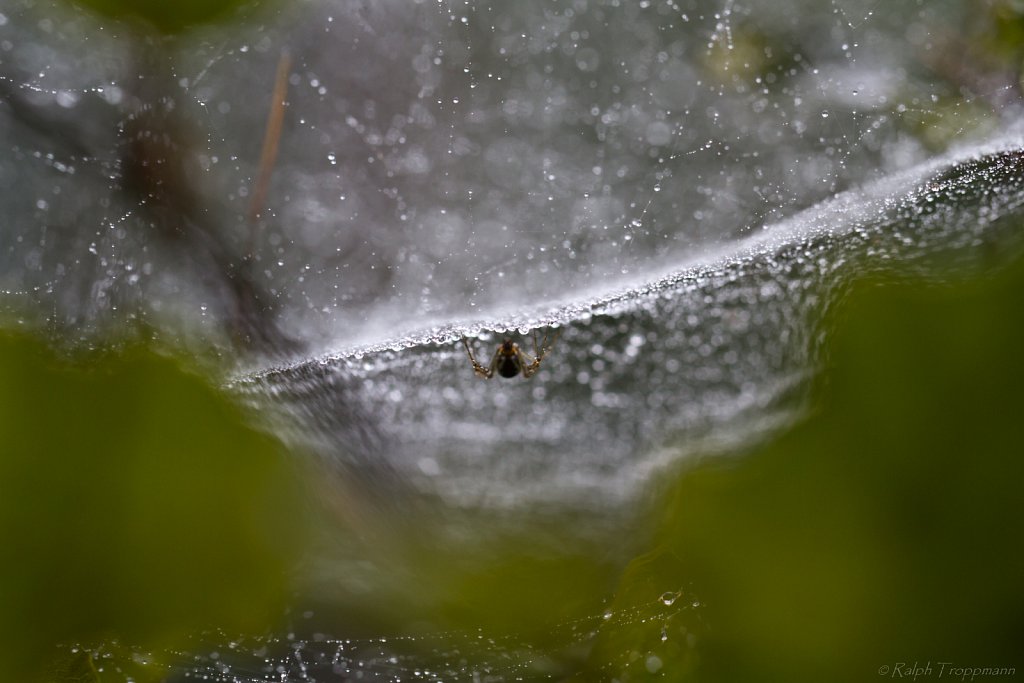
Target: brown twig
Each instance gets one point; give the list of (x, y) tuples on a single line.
[(271, 138)]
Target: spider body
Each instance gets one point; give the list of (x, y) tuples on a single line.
[(509, 360)]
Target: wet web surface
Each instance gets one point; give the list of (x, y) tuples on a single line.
[(449, 656), (702, 360), (699, 362), (518, 154), (680, 190)]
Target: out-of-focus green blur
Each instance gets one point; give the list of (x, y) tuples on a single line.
[(166, 17), (136, 503), (884, 530)]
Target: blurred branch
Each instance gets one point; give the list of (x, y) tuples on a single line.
[(158, 169), (272, 137), (155, 152)]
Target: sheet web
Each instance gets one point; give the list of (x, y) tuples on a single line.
[(671, 621), (675, 185), (509, 161)]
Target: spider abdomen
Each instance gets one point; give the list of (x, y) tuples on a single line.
[(508, 364)]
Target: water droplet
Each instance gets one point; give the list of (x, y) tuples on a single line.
[(67, 98), (669, 597)]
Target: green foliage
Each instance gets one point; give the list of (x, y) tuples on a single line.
[(515, 588), (166, 17), (886, 528), (1002, 25), (136, 504)]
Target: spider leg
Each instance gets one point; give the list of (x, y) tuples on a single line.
[(546, 345), (494, 363), (529, 366), (540, 351), (479, 370)]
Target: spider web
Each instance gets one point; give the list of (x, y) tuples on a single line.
[(476, 656), (659, 180), (508, 161)]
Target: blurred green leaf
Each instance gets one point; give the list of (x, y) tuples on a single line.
[(885, 529), (167, 17), (523, 588), (136, 503)]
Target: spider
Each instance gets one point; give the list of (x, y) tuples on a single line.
[(509, 360)]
